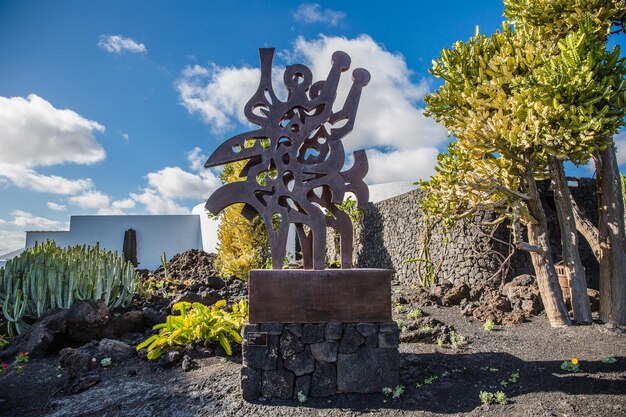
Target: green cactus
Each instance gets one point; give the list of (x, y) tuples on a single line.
[(47, 276)]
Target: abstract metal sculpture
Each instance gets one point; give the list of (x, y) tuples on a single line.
[(295, 158)]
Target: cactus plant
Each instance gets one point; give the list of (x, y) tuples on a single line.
[(48, 276)]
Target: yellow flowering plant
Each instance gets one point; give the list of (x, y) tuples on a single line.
[(198, 323), (571, 366)]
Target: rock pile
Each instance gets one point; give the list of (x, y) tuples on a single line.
[(189, 265), (518, 300), (85, 321), (190, 276)]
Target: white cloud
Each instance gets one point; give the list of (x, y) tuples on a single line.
[(118, 44), (157, 204), (35, 133), (197, 159), (217, 94), (313, 13), (91, 200), (28, 220), (407, 165), (24, 177), (10, 241), (389, 113), (55, 206), (118, 207), (125, 136), (390, 119), (174, 183), (95, 200)]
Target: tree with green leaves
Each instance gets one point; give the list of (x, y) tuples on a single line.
[(582, 99), (520, 102), (243, 245)]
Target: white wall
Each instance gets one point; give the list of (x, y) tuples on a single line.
[(209, 229), (171, 234)]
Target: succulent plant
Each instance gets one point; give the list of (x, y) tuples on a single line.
[(48, 276)]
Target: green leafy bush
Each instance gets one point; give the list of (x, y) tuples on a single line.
[(48, 276), (198, 323)]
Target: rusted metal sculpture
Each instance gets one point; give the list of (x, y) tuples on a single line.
[(295, 158)]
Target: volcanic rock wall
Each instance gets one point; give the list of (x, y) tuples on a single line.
[(393, 231)]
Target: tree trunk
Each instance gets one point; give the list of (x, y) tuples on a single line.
[(541, 256), (612, 238), (587, 230), (569, 242)]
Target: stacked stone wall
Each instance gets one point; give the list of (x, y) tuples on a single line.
[(394, 230), (319, 360)]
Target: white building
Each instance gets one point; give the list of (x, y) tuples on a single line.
[(158, 234)]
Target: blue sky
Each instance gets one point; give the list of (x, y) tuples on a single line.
[(111, 107)]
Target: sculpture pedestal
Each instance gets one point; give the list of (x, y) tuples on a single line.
[(317, 333)]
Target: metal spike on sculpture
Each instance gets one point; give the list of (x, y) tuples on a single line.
[(295, 158)]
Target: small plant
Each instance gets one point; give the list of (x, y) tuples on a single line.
[(571, 365), (17, 366), (489, 325), (394, 392), (164, 266), (3, 341), (349, 206), (430, 380), (397, 308), (493, 369), (487, 397), (500, 398), (427, 328), (106, 362), (514, 377), (441, 340), (609, 359), (197, 323), (415, 314), (398, 391), (456, 340), (401, 325), (301, 397)]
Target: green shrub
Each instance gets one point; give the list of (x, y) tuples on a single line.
[(198, 323), (415, 314), (47, 276), (243, 245), (493, 398)]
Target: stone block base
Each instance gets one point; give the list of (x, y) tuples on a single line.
[(318, 360)]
